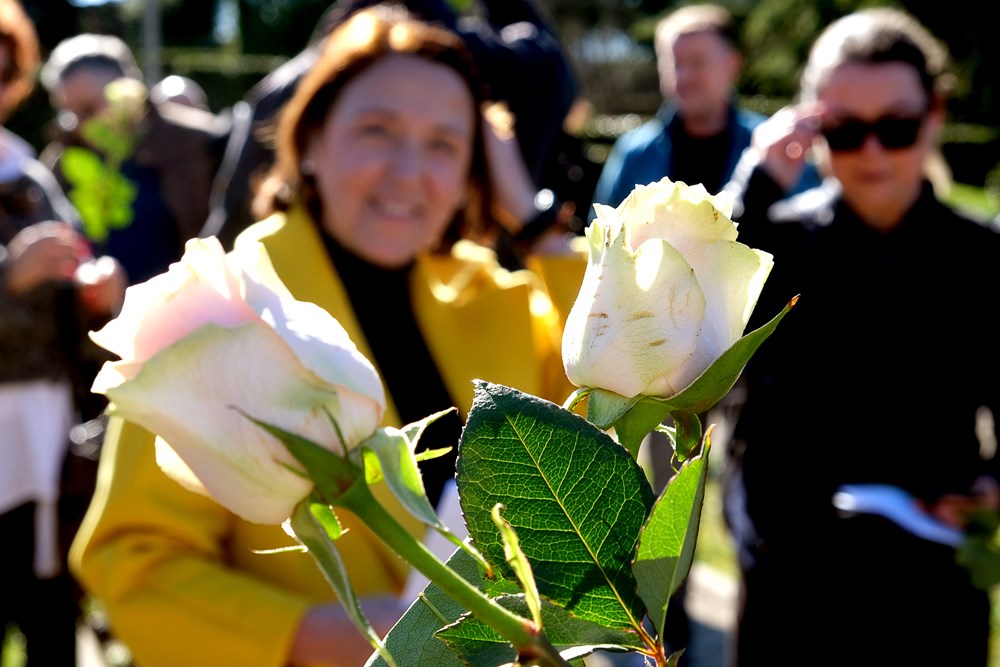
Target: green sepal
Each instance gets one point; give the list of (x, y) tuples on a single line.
[(633, 418), (687, 434), (391, 452), (332, 474), (309, 523)]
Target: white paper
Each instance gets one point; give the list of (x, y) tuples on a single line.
[(898, 506)]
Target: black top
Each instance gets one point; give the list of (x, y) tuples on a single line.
[(700, 159), (381, 301), (875, 376)]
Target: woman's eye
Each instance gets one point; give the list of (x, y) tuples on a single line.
[(445, 146), (374, 130)]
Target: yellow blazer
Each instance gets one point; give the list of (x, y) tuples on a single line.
[(178, 574)]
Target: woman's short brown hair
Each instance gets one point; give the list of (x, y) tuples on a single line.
[(361, 40)]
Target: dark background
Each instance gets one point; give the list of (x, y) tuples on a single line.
[(608, 42)]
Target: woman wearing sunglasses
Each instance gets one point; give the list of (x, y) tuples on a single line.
[(871, 388)]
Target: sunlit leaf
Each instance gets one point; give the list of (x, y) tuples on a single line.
[(576, 499), (572, 637), (667, 544)]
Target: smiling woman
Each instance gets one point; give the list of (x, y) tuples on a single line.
[(380, 189)]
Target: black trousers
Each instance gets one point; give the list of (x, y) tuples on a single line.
[(45, 610)]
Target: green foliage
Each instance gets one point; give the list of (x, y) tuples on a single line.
[(578, 508), (550, 469), (101, 194), (667, 545)]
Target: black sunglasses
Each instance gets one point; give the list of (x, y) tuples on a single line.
[(891, 132)]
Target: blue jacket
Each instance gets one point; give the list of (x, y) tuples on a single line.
[(643, 155)]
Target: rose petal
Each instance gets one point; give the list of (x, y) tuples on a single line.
[(731, 277), (243, 467), (637, 317), (192, 292)]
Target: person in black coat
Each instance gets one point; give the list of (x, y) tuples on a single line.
[(877, 377)]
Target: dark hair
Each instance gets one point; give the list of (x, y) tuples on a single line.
[(18, 35), (878, 35), (362, 40)]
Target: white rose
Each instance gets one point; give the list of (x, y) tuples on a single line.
[(218, 332), (667, 290)]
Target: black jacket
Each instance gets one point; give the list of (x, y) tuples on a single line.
[(875, 376)]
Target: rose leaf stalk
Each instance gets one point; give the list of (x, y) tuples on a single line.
[(340, 483)]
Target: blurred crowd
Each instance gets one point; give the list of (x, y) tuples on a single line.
[(409, 146)]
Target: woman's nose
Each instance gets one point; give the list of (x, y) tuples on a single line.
[(407, 160)]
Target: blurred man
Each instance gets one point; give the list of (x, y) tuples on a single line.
[(698, 133)]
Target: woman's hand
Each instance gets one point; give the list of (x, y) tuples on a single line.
[(782, 142), (44, 252), (101, 282), (957, 509), (511, 183), (327, 637)]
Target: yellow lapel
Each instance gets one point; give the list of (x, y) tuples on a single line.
[(297, 252), (476, 318)]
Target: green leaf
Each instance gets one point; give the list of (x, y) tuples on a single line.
[(573, 638), (667, 543), (412, 640), (519, 564), (313, 535), (576, 499)]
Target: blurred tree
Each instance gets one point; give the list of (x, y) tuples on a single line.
[(608, 41), (279, 26)]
